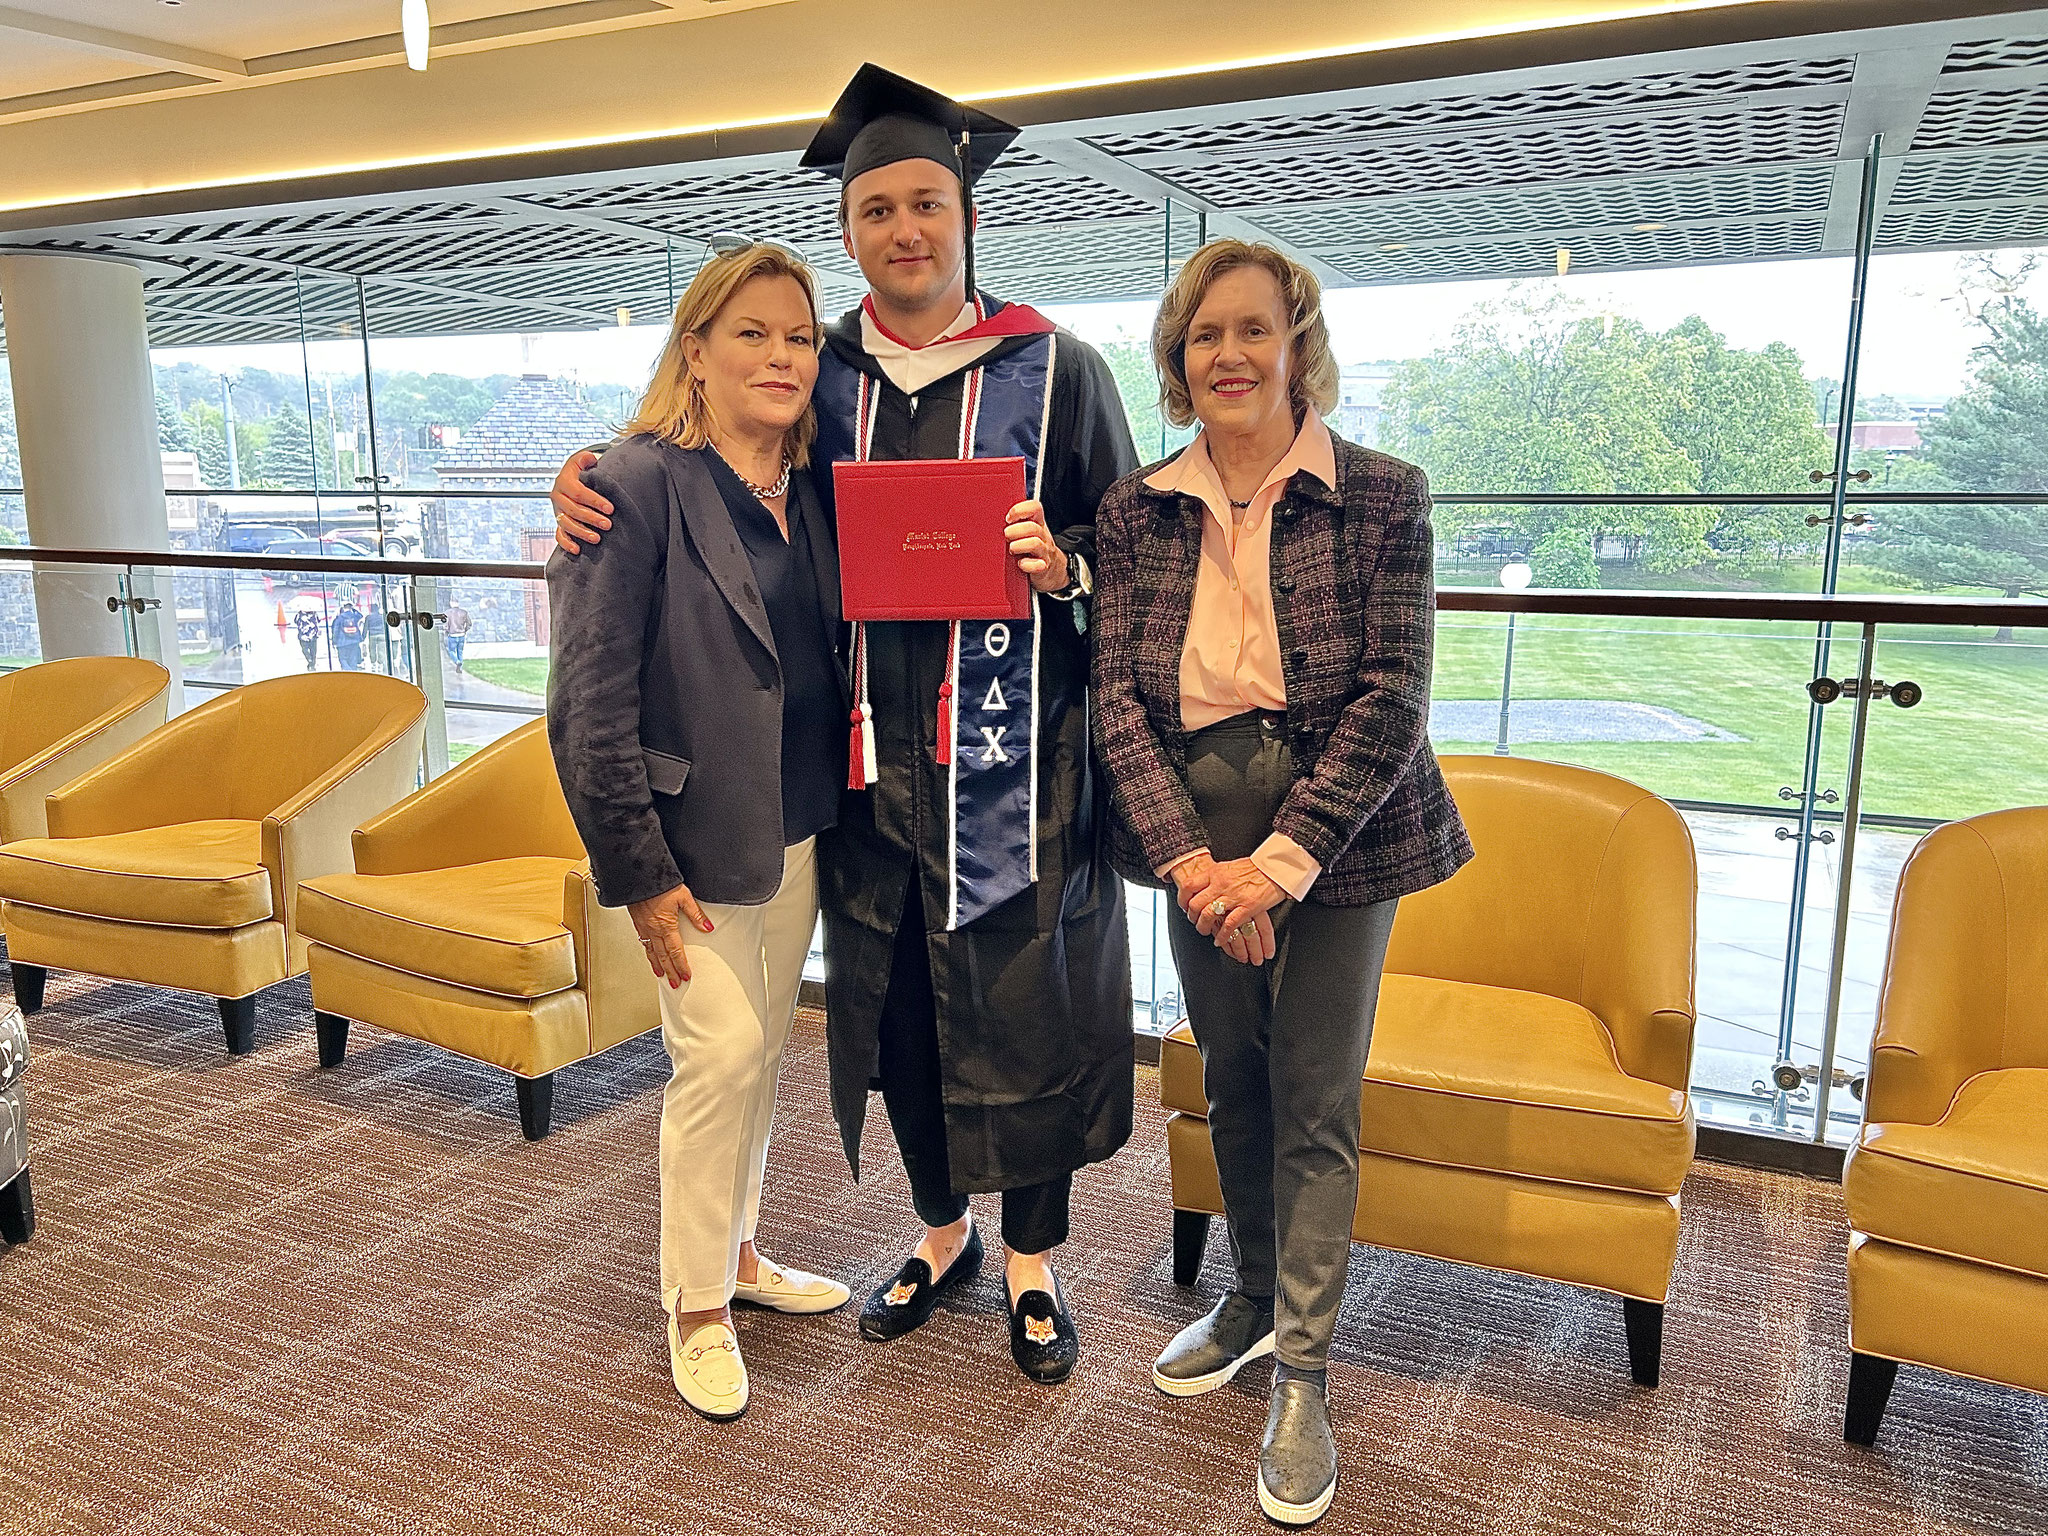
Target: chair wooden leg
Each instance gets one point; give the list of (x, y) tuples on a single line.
[(536, 1105), (1190, 1244), (1644, 1321), (17, 1209), (1870, 1388), (238, 1022), (28, 986), (332, 1031)]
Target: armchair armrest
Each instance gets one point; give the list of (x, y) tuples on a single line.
[(25, 785), (1941, 1013), (1640, 944), (479, 811), (309, 834), (619, 986), (170, 776)]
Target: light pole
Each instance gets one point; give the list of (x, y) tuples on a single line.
[(227, 419), (1514, 576)]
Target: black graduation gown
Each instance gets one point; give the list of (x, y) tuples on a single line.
[(1034, 998)]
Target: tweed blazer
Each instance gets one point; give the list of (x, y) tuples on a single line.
[(1354, 597)]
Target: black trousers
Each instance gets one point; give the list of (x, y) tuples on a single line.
[(912, 1079)]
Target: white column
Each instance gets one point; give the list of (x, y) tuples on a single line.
[(92, 473)]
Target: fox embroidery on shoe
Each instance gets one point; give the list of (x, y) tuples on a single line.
[(1040, 1330), (901, 1293)]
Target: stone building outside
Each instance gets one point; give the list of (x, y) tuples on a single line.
[(494, 504)]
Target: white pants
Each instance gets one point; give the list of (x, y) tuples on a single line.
[(724, 1029)]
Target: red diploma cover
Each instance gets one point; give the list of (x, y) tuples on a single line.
[(923, 539)]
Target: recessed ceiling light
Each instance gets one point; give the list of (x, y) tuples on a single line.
[(1396, 246), (1647, 228)]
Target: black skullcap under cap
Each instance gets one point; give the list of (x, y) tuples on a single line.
[(881, 118)]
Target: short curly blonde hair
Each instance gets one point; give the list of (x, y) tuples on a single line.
[(1312, 381)]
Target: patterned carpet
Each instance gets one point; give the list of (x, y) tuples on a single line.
[(266, 1298)]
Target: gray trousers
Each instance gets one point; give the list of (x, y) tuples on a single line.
[(1283, 1050)]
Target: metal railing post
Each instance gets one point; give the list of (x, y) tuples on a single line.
[(1852, 805), (1831, 566)]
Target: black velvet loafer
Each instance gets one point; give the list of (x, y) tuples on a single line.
[(908, 1301), (1042, 1337)]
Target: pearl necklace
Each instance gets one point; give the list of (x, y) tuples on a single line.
[(765, 492)]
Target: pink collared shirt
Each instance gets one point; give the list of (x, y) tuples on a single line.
[(1231, 661)]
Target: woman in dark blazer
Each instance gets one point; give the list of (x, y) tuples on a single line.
[(697, 709), (1263, 620)]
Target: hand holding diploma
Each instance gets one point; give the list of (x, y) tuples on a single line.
[(1032, 547)]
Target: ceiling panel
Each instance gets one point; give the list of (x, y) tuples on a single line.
[(1726, 160)]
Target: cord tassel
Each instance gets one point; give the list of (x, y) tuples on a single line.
[(861, 768), (944, 745)]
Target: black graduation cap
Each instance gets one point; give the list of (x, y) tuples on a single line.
[(881, 118)]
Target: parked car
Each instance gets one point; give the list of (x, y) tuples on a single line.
[(250, 538)]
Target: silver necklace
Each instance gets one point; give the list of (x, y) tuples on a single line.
[(765, 492)]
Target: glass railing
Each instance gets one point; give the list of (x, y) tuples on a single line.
[(1704, 698)]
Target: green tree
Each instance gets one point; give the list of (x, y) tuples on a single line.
[(1993, 437), (209, 441), (288, 455), (1544, 397), (1130, 363), (173, 433)]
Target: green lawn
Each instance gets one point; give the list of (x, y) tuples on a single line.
[(1976, 743), (528, 674)]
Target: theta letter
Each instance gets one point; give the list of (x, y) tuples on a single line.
[(996, 639)]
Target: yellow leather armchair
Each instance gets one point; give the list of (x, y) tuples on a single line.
[(1947, 1186), (1525, 1103), (60, 719), (178, 862), (471, 922)]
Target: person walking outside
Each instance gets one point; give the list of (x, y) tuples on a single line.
[(345, 635), (457, 633), (306, 624)]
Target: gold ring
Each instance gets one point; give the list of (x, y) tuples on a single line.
[(1218, 907)]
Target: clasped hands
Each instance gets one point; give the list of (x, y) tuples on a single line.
[(1244, 930)]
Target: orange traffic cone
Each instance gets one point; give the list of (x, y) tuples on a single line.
[(282, 623)]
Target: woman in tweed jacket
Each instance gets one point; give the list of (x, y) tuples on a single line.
[(1265, 607)]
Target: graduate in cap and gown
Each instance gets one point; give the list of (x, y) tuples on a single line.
[(977, 959)]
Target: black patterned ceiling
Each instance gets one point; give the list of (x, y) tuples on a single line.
[(1715, 160)]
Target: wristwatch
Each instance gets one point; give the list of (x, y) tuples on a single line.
[(1080, 580)]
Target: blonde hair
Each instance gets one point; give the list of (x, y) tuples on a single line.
[(1312, 380), (674, 408)]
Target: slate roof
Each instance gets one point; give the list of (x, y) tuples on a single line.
[(536, 424)]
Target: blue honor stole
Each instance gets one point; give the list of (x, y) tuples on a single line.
[(989, 698)]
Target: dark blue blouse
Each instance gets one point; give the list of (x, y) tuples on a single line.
[(814, 726)]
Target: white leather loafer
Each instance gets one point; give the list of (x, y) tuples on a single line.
[(708, 1370), (791, 1290)]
